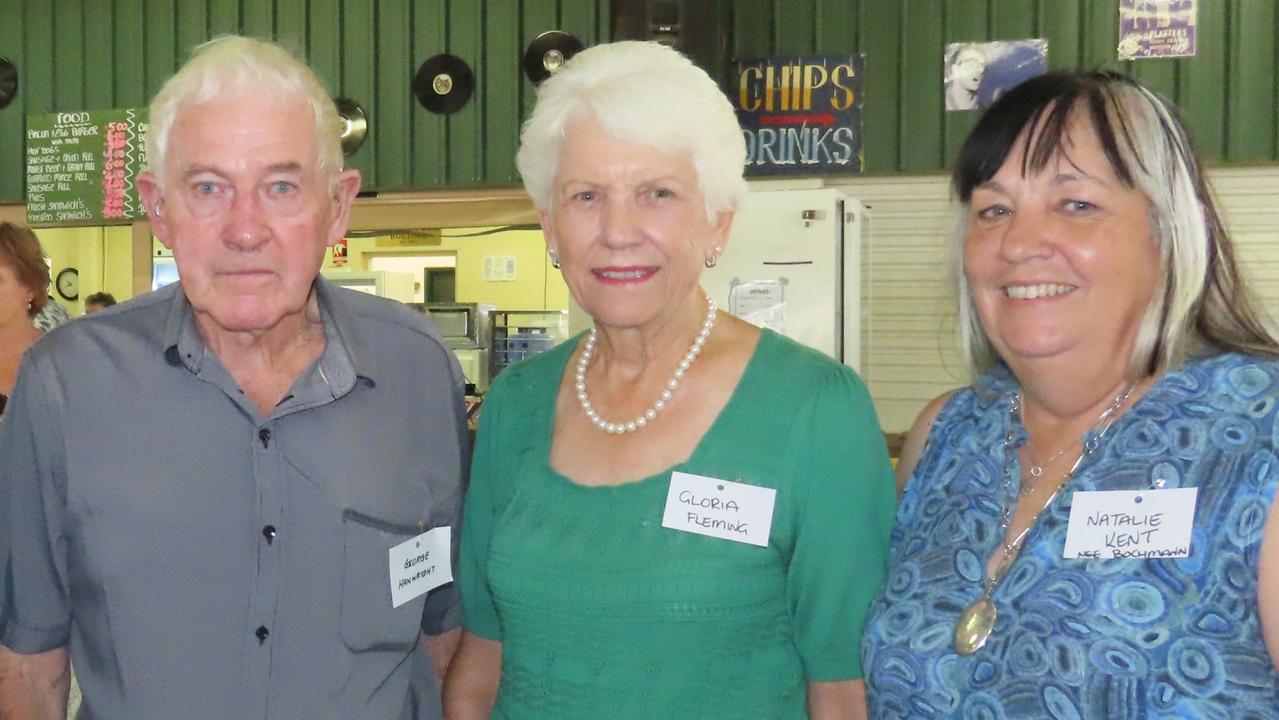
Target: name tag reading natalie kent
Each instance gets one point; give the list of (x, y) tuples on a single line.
[(420, 565), (1131, 524), (719, 508)]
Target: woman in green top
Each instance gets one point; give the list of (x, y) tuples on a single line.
[(675, 515)]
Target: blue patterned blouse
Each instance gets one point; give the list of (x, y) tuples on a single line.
[(1105, 639)]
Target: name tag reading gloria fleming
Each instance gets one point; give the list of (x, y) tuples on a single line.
[(719, 508), (420, 565), (1131, 523)]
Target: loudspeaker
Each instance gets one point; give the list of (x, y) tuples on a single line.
[(691, 26)]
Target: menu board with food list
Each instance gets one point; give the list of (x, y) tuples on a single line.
[(81, 166)]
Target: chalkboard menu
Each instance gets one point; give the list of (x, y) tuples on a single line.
[(81, 166)]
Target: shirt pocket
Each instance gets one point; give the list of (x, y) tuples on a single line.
[(368, 622)]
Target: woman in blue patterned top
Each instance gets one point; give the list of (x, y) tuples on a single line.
[(1087, 530)]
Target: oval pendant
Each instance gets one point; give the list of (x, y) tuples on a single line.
[(974, 626)]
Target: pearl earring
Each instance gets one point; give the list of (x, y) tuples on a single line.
[(555, 258)]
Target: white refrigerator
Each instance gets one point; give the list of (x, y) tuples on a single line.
[(793, 264)]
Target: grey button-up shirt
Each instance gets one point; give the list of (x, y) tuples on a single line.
[(203, 562)]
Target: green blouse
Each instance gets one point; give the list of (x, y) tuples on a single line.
[(604, 613)]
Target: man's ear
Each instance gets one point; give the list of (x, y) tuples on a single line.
[(345, 187), (153, 200)]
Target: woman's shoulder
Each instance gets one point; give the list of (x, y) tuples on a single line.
[(1222, 376), (798, 363)]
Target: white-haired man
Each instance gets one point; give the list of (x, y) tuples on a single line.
[(232, 498)]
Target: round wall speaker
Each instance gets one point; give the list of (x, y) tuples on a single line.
[(547, 54), (443, 84), (355, 124), (8, 82)]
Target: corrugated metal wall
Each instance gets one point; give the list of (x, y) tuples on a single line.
[(89, 54), (1229, 92)]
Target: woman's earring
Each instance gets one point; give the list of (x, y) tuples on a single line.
[(555, 259), (713, 258)]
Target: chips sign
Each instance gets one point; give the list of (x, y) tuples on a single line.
[(81, 166), (801, 115)]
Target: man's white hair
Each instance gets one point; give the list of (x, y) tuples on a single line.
[(234, 65)]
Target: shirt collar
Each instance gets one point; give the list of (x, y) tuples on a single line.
[(345, 355)]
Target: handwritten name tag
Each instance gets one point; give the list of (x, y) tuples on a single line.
[(420, 565), (1131, 523), (719, 508)]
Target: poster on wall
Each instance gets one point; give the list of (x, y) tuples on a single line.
[(801, 115), (1157, 28), (975, 75), (81, 166)]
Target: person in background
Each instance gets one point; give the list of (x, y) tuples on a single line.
[(53, 315), (965, 68), (1089, 529), (98, 301), (676, 514), (24, 283), (205, 489)]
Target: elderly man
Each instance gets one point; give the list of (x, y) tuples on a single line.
[(233, 497)]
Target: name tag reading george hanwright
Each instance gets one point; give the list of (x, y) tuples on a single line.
[(420, 565), (719, 508), (1131, 524)]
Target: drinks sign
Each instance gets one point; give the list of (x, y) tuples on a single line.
[(801, 115), (81, 166)]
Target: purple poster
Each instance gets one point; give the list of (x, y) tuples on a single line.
[(1157, 28)]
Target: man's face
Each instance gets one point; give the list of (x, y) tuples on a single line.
[(970, 66), (246, 209)]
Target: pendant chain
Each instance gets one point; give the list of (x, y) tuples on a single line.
[(977, 621)]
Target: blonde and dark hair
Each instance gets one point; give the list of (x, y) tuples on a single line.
[(232, 65), (1202, 306), (642, 93), (20, 250)]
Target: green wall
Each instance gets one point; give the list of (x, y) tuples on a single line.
[(81, 54), (91, 54), (1228, 93)]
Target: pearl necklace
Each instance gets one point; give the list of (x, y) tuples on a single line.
[(644, 418)]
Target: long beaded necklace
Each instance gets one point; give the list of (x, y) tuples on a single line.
[(643, 419), (977, 621)]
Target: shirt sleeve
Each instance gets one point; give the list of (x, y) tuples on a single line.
[(35, 609), (443, 609), (845, 502), (479, 613)]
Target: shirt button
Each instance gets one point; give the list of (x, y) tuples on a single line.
[(265, 436), (268, 532), (262, 634)]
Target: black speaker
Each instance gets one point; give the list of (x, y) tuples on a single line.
[(693, 27)]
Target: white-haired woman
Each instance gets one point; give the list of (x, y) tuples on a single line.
[(677, 514), (1088, 530)]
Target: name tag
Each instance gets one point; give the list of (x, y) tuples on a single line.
[(1131, 523), (420, 565), (719, 508)]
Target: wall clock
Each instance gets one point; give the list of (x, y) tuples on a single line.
[(68, 283)]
